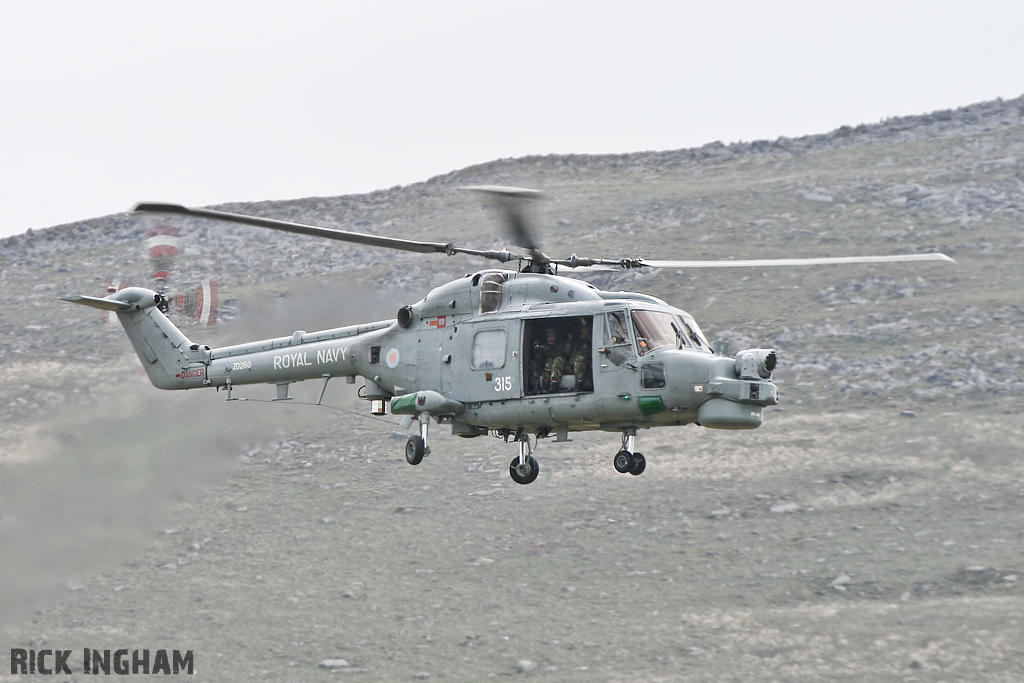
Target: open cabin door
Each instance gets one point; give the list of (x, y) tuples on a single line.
[(558, 355)]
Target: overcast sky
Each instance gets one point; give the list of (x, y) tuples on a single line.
[(108, 102)]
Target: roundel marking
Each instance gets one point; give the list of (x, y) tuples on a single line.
[(392, 358)]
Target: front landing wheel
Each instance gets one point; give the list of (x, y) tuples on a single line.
[(623, 461), (414, 449), (525, 473), (639, 464)]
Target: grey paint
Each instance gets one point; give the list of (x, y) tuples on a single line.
[(434, 353)]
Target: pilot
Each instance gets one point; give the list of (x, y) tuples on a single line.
[(617, 328)]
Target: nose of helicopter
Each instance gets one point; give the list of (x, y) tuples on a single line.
[(723, 392)]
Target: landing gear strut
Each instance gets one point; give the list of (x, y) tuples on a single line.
[(524, 469), (416, 447), (627, 460)]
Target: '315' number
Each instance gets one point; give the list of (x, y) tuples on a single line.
[(503, 384)]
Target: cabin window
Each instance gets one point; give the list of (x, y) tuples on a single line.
[(491, 290), (489, 348), (652, 376)]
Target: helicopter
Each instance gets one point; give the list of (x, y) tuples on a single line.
[(523, 354)]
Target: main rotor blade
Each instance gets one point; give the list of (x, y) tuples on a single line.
[(505, 190), (510, 199), (329, 233), (828, 260)]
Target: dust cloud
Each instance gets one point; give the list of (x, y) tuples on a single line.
[(93, 484)]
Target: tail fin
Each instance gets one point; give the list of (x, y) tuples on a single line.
[(171, 360)]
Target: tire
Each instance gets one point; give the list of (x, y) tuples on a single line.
[(414, 450), (623, 461), (639, 464), (528, 473)]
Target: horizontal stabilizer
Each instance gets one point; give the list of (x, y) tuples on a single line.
[(96, 302)]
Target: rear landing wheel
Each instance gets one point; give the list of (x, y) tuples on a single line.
[(525, 473), (623, 461), (414, 450), (639, 464)]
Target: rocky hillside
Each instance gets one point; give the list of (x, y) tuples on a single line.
[(841, 541), (915, 334)]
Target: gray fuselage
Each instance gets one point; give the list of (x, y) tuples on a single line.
[(470, 341)]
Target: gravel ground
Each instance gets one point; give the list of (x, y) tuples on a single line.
[(824, 546)]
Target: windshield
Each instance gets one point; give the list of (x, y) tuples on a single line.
[(696, 337), (655, 329)]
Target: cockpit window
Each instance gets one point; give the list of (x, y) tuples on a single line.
[(696, 337), (491, 286), (654, 330), (652, 376), (616, 338)]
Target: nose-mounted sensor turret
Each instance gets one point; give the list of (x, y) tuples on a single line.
[(755, 363)]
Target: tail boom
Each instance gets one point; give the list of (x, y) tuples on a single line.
[(170, 359)]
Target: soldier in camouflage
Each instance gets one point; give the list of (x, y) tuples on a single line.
[(579, 360), (549, 361), (535, 369)]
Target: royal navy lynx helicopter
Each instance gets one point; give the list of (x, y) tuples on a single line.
[(523, 354)]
